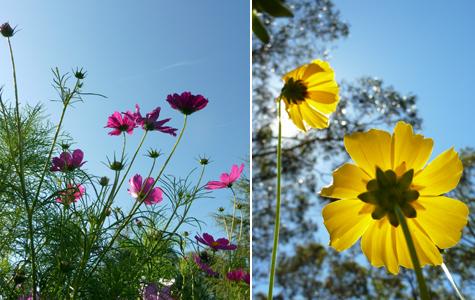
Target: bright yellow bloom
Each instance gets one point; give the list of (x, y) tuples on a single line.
[(389, 171), (310, 94)]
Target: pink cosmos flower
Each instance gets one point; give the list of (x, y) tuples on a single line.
[(226, 180), (71, 194), (67, 162), (149, 122), (238, 275), (203, 266), (120, 123), (139, 190), (219, 244), (187, 103)]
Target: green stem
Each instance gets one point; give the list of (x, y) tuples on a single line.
[(29, 210), (240, 227), (413, 253), (234, 215), (138, 203), (277, 208)]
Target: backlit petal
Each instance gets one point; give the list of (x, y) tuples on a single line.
[(348, 182), (312, 117), (370, 149), (441, 175), (442, 219), (409, 148), (346, 221)]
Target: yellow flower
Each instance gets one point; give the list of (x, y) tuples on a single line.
[(391, 171), (310, 94)]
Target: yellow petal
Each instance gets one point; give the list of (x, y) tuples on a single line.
[(370, 150), (378, 244), (427, 252), (443, 219), (324, 97), (371, 242), (294, 114), (348, 182), (409, 148), (312, 117), (322, 107), (345, 220), (440, 176), (385, 245)]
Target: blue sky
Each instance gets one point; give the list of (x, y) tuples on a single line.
[(421, 47), (140, 53)]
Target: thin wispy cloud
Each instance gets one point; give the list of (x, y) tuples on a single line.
[(180, 64)]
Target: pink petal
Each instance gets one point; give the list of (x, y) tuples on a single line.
[(215, 185)]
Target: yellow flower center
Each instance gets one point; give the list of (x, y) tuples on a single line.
[(387, 191), (214, 244), (294, 91)]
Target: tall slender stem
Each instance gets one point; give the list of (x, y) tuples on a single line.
[(277, 208), (29, 210), (413, 253), (234, 215)]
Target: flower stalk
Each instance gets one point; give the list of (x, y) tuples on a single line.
[(412, 250), (277, 208)]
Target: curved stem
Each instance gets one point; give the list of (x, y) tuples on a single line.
[(413, 253), (277, 208)]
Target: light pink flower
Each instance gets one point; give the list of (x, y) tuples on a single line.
[(139, 189), (120, 123), (226, 180), (71, 194)]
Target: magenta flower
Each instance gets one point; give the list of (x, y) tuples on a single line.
[(152, 292), (139, 190), (203, 266), (120, 123), (219, 244), (67, 162), (187, 103), (238, 275), (226, 180), (71, 194), (150, 121)]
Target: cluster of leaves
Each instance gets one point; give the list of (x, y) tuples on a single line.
[(307, 268)]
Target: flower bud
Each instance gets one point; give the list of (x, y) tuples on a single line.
[(79, 74), (221, 209), (6, 30), (104, 181), (116, 165)]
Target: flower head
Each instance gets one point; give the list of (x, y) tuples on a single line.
[(143, 191), (187, 103), (67, 162), (150, 121), (201, 262), (219, 244), (238, 275), (310, 94), (6, 30), (71, 194), (390, 173), (120, 123), (226, 180)]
